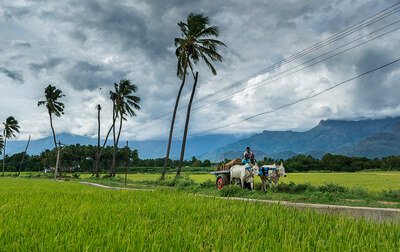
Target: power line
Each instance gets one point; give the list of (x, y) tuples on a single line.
[(300, 100), (262, 83), (287, 72), (335, 37), (350, 30)]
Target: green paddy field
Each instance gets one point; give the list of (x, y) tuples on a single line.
[(372, 181), (46, 215)]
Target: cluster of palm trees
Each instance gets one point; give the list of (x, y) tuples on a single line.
[(11, 127), (196, 44), (124, 104)]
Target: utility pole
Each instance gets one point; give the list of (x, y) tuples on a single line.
[(126, 162), (23, 156)]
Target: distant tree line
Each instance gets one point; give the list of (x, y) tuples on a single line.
[(337, 163), (82, 158)]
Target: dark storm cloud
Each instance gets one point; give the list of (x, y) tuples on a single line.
[(12, 75), (21, 44), (47, 64), (82, 45), (378, 89), (84, 75), (115, 23), (14, 12)]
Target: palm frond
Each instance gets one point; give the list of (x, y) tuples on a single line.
[(10, 127), (196, 44)]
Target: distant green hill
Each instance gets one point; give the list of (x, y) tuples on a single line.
[(369, 138)]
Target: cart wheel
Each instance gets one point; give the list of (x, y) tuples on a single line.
[(222, 180)]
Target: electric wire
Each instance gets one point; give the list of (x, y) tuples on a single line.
[(300, 100)]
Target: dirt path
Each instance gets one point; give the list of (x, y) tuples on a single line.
[(370, 213), (115, 188)]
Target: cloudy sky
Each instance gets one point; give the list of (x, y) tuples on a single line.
[(83, 47)]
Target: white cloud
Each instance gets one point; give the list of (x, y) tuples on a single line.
[(83, 46)]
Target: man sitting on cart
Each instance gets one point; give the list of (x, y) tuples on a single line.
[(248, 157)]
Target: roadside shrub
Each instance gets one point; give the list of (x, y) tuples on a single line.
[(207, 183), (294, 188), (332, 188), (230, 191), (183, 182), (360, 192), (178, 181), (47, 175), (391, 194)]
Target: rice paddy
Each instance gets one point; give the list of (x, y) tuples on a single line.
[(372, 181), (43, 215)]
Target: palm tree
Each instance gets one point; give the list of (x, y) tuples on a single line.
[(1, 143), (195, 45), (124, 104), (114, 118), (96, 168), (54, 107), (10, 128)]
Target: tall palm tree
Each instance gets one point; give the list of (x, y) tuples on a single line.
[(54, 107), (114, 118), (10, 128), (195, 45), (124, 103), (96, 168), (1, 143)]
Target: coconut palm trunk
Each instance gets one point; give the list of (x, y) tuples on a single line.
[(4, 154), (56, 172), (114, 164), (96, 166), (52, 130), (23, 157), (182, 156), (171, 129), (114, 150), (106, 139)]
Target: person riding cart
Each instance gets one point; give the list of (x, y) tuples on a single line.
[(248, 157)]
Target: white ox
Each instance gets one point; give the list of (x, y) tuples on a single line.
[(244, 173), (271, 173)]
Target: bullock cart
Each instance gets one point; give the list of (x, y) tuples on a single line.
[(237, 173)]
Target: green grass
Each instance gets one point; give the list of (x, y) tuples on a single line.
[(43, 215), (372, 181)]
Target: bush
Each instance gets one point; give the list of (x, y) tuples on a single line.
[(391, 194), (75, 175), (183, 182), (230, 191), (294, 188), (360, 192), (332, 188), (179, 181), (207, 183)]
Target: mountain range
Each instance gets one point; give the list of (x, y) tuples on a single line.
[(366, 138), (147, 149)]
